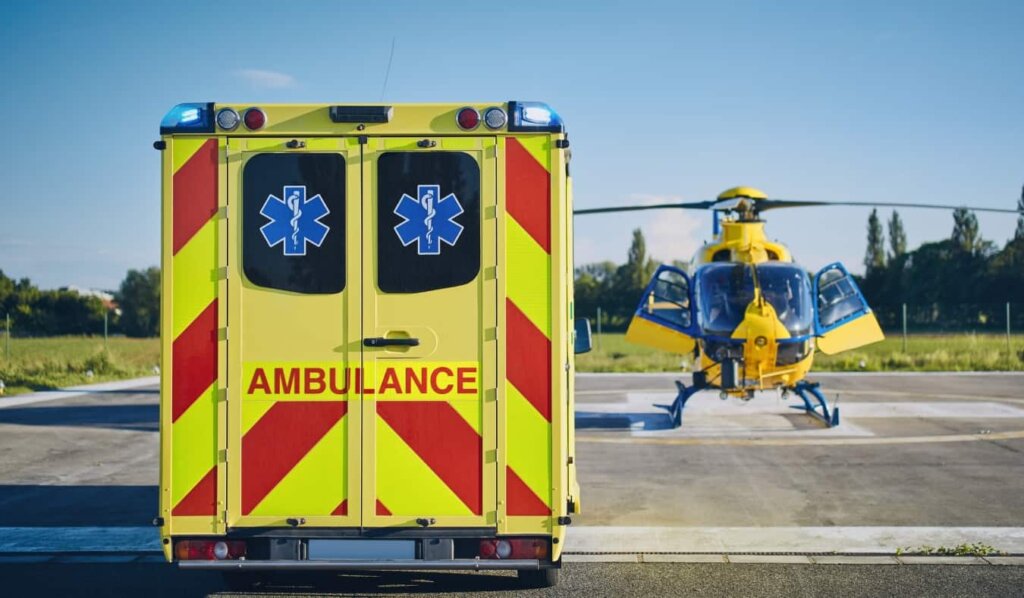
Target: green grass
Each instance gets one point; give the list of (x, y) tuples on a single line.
[(48, 363), (925, 352)]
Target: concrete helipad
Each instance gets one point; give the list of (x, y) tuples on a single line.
[(917, 460)]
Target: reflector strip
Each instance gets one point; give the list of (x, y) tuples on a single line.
[(522, 500), (529, 449), (445, 443), (192, 352), (194, 444), (202, 499), (194, 356), (342, 509), (527, 193), (316, 483), (382, 510), (194, 193), (279, 440), (528, 316), (529, 360)]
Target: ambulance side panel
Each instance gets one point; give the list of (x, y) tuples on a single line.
[(533, 322), (192, 346)]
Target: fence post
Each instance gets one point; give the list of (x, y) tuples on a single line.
[(7, 348), (1009, 350), (599, 329), (106, 316), (904, 327)]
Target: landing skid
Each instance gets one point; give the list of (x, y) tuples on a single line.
[(675, 410), (820, 410)]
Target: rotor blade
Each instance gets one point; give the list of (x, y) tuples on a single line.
[(693, 205), (771, 204)]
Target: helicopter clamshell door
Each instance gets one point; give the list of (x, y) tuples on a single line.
[(664, 320), (842, 318)]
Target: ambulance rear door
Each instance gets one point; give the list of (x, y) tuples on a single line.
[(429, 332), (293, 333)]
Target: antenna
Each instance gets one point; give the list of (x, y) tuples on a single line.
[(387, 73)]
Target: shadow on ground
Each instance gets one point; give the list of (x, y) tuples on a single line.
[(596, 420), (140, 417), (29, 505), (158, 579)]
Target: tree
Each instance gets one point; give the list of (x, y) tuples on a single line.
[(897, 237), (965, 236), (638, 268), (139, 298), (1019, 233), (874, 258)]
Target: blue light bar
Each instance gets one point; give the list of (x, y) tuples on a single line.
[(188, 118), (529, 117)]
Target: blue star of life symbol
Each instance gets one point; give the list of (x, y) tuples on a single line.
[(294, 220), (428, 219)]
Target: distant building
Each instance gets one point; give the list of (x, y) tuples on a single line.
[(105, 297)]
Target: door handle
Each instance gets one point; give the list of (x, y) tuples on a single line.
[(380, 341)]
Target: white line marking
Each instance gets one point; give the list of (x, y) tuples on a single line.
[(847, 540), (79, 539), (924, 409), (77, 391)]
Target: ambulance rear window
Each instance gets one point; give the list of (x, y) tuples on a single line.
[(293, 219), (428, 221)]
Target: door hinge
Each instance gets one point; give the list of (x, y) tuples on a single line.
[(223, 455), (561, 143), (363, 139)]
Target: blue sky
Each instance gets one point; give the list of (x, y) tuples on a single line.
[(887, 101)]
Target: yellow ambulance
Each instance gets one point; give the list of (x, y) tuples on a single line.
[(368, 337)]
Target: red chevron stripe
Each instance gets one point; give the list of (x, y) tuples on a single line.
[(528, 360), (382, 510), (444, 441), (279, 440), (521, 499), (201, 499), (341, 509), (528, 192), (194, 361), (194, 193)]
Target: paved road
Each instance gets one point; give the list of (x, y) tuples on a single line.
[(914, 454), (599, 579)]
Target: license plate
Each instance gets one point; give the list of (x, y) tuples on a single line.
[(361, 550)]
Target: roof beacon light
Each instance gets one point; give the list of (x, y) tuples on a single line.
[(254, 119), (188, 118), (534, 116), (468, 118)]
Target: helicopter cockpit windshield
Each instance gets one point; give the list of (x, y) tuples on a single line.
[(788, 288), (726, 289)]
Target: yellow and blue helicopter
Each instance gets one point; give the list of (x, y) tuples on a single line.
[(750, 316)]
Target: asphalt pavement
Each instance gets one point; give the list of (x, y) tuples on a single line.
[(745, 499)]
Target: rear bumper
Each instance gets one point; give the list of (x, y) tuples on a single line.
[(413, 564)]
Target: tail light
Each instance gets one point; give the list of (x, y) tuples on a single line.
[(209, 550), (514, 548)]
